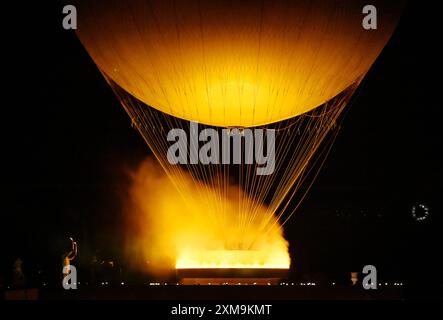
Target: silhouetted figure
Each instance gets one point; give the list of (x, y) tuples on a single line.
[(18, 277), (94, 264), (68, 257)]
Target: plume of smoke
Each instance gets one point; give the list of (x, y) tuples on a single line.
[(166, 222)]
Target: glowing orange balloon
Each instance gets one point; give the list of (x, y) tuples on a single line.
[(233, 63)]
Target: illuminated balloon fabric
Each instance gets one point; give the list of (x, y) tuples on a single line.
[(232, 63)]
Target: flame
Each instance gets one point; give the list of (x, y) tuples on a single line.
[(251, 259), (198, 226)]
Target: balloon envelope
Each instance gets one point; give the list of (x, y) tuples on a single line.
[(233, 63)]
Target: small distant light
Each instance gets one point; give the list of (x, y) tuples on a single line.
[(269, 283), (333, 283), (386, 283), (103, 283), (122, 283), (420, 216)]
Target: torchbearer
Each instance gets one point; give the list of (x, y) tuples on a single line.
[(68, 257)]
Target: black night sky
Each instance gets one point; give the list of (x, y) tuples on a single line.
[(68, 144)]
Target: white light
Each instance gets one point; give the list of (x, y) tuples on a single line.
[(122, 283)]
